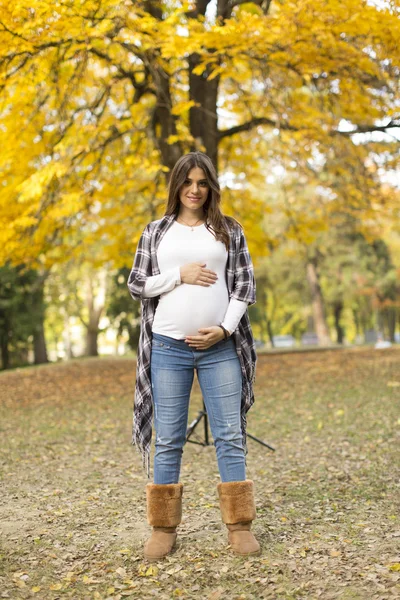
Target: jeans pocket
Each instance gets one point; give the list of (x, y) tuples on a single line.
[(158, 344)]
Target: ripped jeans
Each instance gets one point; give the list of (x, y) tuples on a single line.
[(220, 378)]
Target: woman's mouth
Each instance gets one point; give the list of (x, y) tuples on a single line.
[(194, 199)]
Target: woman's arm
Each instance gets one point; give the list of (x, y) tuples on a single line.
[(164, 282), (234, 313)]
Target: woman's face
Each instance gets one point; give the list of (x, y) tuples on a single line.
[(194, 191)]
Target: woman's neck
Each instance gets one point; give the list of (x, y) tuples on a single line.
[(192, 216)]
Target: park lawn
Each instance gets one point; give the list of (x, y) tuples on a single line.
[(72, 507)]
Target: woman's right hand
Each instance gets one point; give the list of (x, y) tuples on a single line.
[(196, 274)]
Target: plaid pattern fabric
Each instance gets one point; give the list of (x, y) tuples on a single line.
[(241, 285)]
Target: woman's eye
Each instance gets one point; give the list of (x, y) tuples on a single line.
[(202, 183)]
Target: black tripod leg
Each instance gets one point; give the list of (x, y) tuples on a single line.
[(205, 425), (196, 421), (253, 437), (193, 425)]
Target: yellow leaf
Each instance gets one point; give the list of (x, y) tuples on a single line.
[(215, 73), (36, 588), (172, 139), (199, 70), (394, 567), (55, 586), (182, 107), (152, 570)]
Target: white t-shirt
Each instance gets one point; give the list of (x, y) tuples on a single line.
[(184, 308)]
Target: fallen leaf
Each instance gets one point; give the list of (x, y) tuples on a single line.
[(55, 586), (121, 572)]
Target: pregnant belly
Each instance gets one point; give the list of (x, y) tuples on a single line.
[(188, 308)]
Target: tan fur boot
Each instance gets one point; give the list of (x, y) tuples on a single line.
[(236, 499), (164, 513)]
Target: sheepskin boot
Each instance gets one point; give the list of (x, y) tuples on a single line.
[(236, 499), (164, 513)]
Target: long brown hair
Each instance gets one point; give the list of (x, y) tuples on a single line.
[(216, 222)]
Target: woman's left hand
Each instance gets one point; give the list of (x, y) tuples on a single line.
[(209, 336)]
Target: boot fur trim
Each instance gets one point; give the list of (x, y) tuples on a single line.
[(164, 504), (236, 500)]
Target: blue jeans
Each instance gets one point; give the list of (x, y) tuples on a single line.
[(220, 377)]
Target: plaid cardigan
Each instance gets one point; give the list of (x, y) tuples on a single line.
[(241, 285)]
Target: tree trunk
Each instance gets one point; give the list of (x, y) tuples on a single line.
[(39, 340), (203, 122), (270, 332), (164, 122), (91, 342), (380, 321), (5, 353), (67, 337), (337, 311), (39, 346), (356, 321), (203, 118), (317, 303), (92, 326), (391, 322)]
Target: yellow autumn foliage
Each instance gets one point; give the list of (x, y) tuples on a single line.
[(97, 100)]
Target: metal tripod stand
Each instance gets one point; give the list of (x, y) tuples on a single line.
[(203, 414)]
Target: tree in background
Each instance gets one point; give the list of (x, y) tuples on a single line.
[(21, 316), (123, 313), (107, 96)]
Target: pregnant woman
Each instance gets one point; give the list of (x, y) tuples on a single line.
[(194, 277)]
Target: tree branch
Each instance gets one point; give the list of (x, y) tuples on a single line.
[(369, 128), (153, 7), (287, 127), (254, 123)]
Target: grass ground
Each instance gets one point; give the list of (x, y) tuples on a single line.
[(72, 507)]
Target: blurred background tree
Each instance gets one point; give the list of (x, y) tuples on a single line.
[(296, 103)]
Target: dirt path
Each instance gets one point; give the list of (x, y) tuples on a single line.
[(72, 508)]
